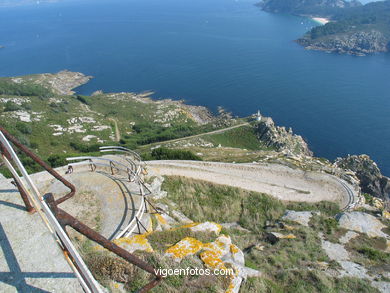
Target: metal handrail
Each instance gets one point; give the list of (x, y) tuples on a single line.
[(82, 272), (56, 219), (88, 160), (119, 148)]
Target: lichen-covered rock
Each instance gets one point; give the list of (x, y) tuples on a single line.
[(185, 247), (207, 227), (363, 223), (302, 218), (134, 243)]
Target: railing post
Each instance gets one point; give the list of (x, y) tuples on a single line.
[(22, 192)]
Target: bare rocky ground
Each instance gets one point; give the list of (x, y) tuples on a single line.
[(279, 181)]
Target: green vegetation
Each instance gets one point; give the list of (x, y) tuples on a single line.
[(374, 15), (58, 126), (325, 207), (369, 251), (289, 265), (8, 87), (202, 201), (307, 281), (171, 154), (243, 137), (307, 7)]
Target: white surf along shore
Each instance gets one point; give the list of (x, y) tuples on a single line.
[(321, 20)]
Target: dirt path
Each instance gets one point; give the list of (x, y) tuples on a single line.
[(117, 132), (196, 135), (276, 180)]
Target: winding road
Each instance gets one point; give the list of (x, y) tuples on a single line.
[(279, 181)]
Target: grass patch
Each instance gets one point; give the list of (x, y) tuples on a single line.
[(369, 251), (306, 282), (170, 154), (203, 201), (325, 207), (243, 137)]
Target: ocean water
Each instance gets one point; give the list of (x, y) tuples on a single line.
[(210, 52)]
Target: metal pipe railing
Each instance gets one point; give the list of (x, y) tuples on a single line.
[(109, 163), (56, 219)]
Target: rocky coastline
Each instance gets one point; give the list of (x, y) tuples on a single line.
[(350, 27), (357, 43)]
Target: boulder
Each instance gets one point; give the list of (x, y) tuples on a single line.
[(348, 236), (335, 251), (302, 218), (363, 223)]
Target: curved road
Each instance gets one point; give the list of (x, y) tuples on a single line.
[(280, 181)]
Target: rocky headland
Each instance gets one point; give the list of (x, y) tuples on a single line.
[(371, 179), (353, 28)]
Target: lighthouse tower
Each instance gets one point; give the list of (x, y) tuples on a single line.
[(258, 116)]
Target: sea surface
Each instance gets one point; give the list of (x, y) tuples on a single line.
[(210, 52)]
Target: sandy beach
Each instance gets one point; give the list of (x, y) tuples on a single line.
[(321, 20)]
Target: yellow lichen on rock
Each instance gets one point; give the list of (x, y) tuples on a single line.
[(160, 219), (234, 249), (186, 246), (134, 243)]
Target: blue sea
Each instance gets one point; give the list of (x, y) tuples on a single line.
[(210, 52)]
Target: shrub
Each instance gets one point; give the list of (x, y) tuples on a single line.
[(173, 154), (23, 127), (11, 106), (57, 160), (84, 148), (257, 208), (8, 87), (82, 100)]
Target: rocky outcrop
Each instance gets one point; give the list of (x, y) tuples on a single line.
[(63, 82), (281, 139), (358, 43), (371, 179)]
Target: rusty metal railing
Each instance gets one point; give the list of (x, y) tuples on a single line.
[(57, 220)]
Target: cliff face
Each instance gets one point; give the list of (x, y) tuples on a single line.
[(371, 179), (281, 139), (357, 43)]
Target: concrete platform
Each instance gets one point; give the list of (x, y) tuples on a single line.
[(30, 260)]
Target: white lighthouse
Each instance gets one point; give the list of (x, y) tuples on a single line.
[(258, 116)]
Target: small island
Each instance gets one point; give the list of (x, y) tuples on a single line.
[(351, 27)]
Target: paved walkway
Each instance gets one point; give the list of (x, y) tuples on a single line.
[(30, 260)]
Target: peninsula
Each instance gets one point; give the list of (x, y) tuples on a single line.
[(223, 192), (353, 28)]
